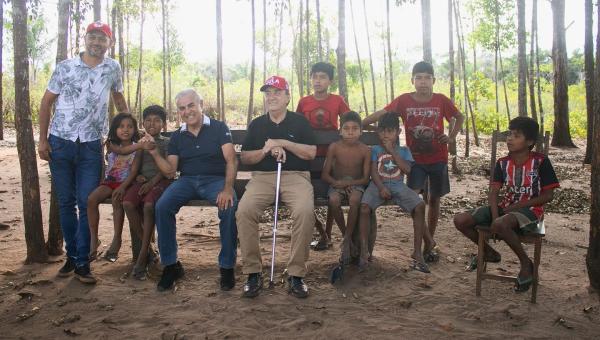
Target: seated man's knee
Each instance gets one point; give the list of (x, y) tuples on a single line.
[(247, 210)]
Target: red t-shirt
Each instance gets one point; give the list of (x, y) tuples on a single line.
[(424, 123), (323, 114), (526, 181)]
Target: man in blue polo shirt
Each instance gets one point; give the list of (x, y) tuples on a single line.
[(202, 151)]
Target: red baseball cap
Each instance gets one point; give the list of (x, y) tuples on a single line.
[(276, 82), (99, 26)]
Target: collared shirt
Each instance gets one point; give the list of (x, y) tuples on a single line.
[(81, 109), (149, 168), (294, 127), (201, 154)]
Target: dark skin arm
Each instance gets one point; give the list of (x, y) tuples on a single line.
[(383, 191), (401, 163), (119, 192), (369, 122), (119, 100), (148, 185), (326, 175)]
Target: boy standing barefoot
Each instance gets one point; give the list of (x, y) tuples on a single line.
[(347, 170)]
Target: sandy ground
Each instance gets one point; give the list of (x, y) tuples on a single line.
[(387, 301)]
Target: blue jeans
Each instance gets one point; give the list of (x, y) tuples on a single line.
[(183, 190), (76, 169)]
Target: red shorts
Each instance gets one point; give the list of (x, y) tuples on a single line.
[(112, 185), (132, 194)]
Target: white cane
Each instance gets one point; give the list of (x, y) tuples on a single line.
[(277, 183)]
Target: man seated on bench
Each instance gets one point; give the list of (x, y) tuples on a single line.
[(286, 136), (530, 181), (202, 150)]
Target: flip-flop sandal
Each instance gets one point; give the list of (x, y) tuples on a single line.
[(432, 256), (473, 262), (139, 273), (321, 245), (522, 285), (337, 274), (419, 266), (111, 256)]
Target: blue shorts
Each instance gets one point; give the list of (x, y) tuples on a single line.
[(402, 195), (431, 177)]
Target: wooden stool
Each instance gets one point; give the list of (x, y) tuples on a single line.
[(533, 237)]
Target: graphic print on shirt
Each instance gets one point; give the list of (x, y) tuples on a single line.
[(118, 167), (421, 125), (321, 118), (387, 168)]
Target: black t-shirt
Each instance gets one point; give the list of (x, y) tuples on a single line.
[(294, 128)]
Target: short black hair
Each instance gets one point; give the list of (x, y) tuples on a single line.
[(527, 126), (326, 68), (114, 125), (422, 67), (389, 120), (350, 116), (156, 110)]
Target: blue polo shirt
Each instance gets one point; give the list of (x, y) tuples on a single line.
[(202, 154)]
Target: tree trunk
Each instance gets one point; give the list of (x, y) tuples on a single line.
[(452, 146), (264, 40), (279, 39), (496, 52), (138, 90), (562, 133), (341, 50), (1, 71), (385, 67), (522, 58), (128, 63), (531, 71), (360, 70), (97, 10), (592, 258), (504, 85), (220, 94), (588, 53), (426, 23), (320, 46), (164, 51), (113, 24), (78, 17), (252, 68), (169, 107), (389, 48), (537, 75), (30, 184), (308, 85), (370, 58), (300, 51)]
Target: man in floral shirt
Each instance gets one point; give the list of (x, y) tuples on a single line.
[(79, 91)]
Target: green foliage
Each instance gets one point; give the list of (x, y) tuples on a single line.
[(484, 33)]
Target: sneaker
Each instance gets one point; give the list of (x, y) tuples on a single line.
[(297, 287), (170, 274), (67, 268), (227, 279), (84, 274), (253, 286)]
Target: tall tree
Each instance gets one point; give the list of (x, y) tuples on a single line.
[(360, 69), (531, 73), (164, 8), (426, 23), (252, 68), (320, 46), (264, 76), (389, 48), (1, 71), (562, 133), (300, 50), (279, 10), (220, 94), (592, 258), (370, 58), (341, 50), (30, 184), (522, 57), (537, 72), (308, 87), (588, 52), (138, 90), (452, 146), (97, 10), (78, 15)]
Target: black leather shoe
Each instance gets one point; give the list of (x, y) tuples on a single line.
[(84, 274), (67, 268), (297, 287), (227, 279), (170, 274), (253, 286)]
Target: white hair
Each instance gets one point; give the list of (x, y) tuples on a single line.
[(197, 97)]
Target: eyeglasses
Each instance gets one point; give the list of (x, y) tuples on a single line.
[(97, 37)]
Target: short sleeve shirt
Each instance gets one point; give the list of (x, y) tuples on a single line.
[(524, 182), (323, 114), (387, 169), (202, 154), (119, 167), (148, 168), (294, 127), (81, 108), (424, 123)]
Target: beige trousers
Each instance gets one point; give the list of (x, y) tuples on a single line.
[(296, 192)]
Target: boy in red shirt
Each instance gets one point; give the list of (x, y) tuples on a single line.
[(322, 110), (530, 181), (423, 113)]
